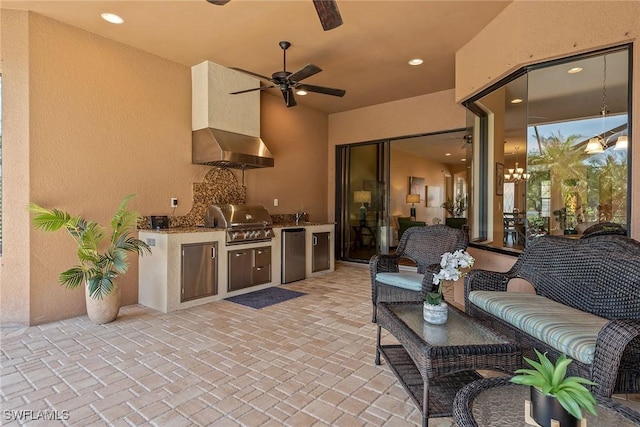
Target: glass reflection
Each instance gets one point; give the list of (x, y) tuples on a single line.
[(561, 138)]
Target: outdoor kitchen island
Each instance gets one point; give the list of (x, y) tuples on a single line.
[(160, 275)]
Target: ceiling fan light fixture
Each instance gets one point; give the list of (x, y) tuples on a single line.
[(594, 146), (598, 144), (622, 143), (289, 82), (416, 61), (112, 18)]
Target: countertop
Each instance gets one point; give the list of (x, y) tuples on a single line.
[(209, 229)]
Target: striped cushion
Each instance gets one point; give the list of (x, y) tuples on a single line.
[(404, 279), (564, 328)]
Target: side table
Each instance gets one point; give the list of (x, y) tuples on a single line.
[(496, 402)]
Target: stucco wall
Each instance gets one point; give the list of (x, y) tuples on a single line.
[(15, 294), (297, 138), (93, 120), (528, 32)]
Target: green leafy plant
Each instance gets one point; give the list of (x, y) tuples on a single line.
[(551, 379), (457, 207), (102, 257)]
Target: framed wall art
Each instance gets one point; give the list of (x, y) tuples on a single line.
[(499, 179), (416, 186)]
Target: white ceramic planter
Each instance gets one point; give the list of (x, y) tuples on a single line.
[(435, 314), (103, 310)]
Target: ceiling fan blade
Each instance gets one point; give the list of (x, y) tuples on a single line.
[(328, 13), (289, 98), (218, 2), (322, 89), (260, 76), (304, 72), (251, 90)]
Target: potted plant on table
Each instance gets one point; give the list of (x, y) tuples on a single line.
[(451, 263), (554, 396), (102, 256), (456, 207)]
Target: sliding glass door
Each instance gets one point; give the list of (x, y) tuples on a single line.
[(362, 200), (384, 187)]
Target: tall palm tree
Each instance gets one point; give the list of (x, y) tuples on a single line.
[(562, 161)]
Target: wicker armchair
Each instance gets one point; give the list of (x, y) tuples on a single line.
[(422, 245), (599, 275)]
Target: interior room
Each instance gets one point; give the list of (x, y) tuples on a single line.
[(263, 156), (425, 172)]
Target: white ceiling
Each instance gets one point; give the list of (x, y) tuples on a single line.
[(367, 56)]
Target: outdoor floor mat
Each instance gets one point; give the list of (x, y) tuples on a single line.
[(265, 297)]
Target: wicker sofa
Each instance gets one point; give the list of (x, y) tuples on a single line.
[(586, 304)]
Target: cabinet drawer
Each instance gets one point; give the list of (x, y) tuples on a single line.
[(262, 256)]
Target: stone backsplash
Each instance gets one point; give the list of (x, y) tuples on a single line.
[(220, 186)]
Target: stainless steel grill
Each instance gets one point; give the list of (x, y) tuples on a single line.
[(243, 223)]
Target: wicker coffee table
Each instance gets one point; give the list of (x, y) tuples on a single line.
[(496, 402), (433, 362)]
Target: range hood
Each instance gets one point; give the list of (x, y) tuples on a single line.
[(215, 147), (226, 128)]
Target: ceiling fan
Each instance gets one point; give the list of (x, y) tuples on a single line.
[(327, 12), (287, 81)]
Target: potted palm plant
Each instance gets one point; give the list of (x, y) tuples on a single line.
[(554, 396), (102, 256)]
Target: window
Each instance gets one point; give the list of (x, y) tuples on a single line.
[(561, 130)]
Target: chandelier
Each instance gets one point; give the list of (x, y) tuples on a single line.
[(516, 174)]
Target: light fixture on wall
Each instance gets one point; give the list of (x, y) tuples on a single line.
[(362, 197), (598, 143), (516, 174), (413, 199)]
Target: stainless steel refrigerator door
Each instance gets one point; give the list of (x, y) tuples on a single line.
[(293, 255), (321, 255)]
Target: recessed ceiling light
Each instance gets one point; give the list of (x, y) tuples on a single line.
[(574, 70), (516, 101), (447, 154), (112, 17), (463, 160), (415, 61), (301, 92)]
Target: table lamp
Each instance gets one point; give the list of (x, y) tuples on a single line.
[(362, 197), (413, 199)]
